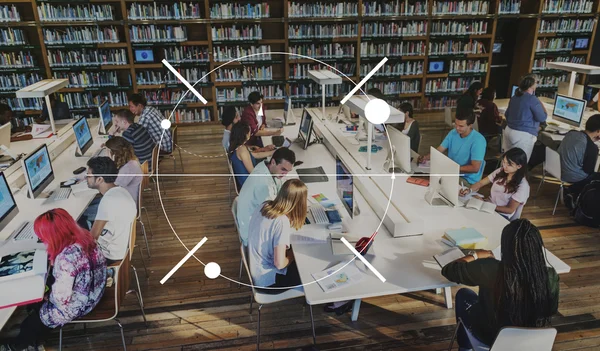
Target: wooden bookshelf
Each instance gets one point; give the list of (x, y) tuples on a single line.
[(286, 70)]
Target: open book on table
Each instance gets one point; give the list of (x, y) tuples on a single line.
[(480, 205)]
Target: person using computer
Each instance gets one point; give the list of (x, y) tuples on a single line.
[(263, 184), (517, 290), (6, 116), (270, 255), (242, 159), (466, 102), (151, 118), (410, 127), (60, 110), (524, 114), (510, 188), (130, 171), (578, 156), (76, 279), (466, 147), (136, 135), (117, 210), (229, 117), (254, 115), (489, 119)]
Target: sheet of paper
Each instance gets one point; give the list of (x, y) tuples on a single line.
[(306, 239), (448, 256), (336, 277)]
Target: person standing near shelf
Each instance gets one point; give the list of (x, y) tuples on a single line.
[(466, 102), (254, 115), (524, 114), (150, 119)]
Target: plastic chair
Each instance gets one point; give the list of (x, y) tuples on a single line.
[(237, 229), (174, 134), (231, 176), (552, 166), (517, 213), (140, 208), (152, 175), (273, 296)]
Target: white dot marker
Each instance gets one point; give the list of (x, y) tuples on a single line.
[(212, 270), (393, 176), (166, 124), (377, 111)]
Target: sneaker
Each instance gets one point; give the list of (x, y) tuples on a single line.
[(569, 201)]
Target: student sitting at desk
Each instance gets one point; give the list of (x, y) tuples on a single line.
[(466, 102), (136, 135), (263, 185), (150, 119), (6, 116), (489, 119), (578, 155), (524, 114), (76, 280), (229, 117), (410, 126), (270, 254), (466, 147), (130, 171), (60, 110), (242, 158), (518, 290), (254, 116), (510, 188)]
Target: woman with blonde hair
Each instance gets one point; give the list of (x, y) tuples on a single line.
[(270, 254), (130, 171)]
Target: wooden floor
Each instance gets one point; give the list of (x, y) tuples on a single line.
[(191, 312)]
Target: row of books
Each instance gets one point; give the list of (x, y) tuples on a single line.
[(12, 36), (397, 29), (244, 53), (88, 100), (16, 59), (236, 10), (244, 32), (170, 97), (270, 92), (81, 35), (175, 11), (330, 50), (9, 13), (186, 54), (86, 79), (573, 25), (540, 63), (467, 66), (440, 103), (16, 81), (393, 88), (567, 6), (473, 7), (551, 81), (407, 48), (306, 104), (322, 9), (307, 31), (313, 90), (157, 34), (300, 70), (554, 44), (458, 27), (448, 84), (18, 104), (195, 115), (87, 57), (147, 77), (456, 47), (244, 74), (415, 102), (408, 68), (59, 13), (509, 7), (22, 121), (394, 8)]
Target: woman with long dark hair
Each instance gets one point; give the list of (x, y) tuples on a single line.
[(510, 188), (518, 290), (466, 102), (489, 119), (242, 158)]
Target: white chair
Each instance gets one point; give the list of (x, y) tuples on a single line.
[(231, 176), (143, 185), (237, 229), (273, 296), (552, 167), (517, 213)]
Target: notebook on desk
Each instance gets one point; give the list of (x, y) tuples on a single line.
[(22, 277), (312, 175)]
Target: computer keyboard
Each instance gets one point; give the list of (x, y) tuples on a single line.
[(59, 194), (318, 213), (26, 233)]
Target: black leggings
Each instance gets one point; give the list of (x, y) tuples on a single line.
[(288, 280), (33, 330)]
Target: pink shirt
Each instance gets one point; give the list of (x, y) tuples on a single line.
[(500, 197)]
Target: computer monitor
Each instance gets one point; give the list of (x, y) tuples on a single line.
[(514, 90), (5, 134), (443, 181), (83, 135), (38, 170), (581, 43), (568, 110), (105, 117), (400, 150), (344, 185), (143, 55), (8, 206), (436, 66), (306, 127), (497, 48)]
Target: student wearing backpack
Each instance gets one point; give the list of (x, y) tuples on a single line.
[(578, 155)]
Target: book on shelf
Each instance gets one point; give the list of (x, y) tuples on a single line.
[(89, 79), (174, 11), (88, 12), (475, 7), (12, 36), (16, 81), (157, 34), (186, 54), (235, 32), (540, 63), (509, 7), (465, 238), (86, 57), (459, 27), (324, 50), (572, 25), (326, 9), (9, 13), (237, 10), (448, 256), (26, 270), (270, 92), (394, 88), (439, 103), (17, 59), (480, 205), (300, 70), (192, 75), (308, 31), (448, 84), (468, 66), (241, 53), (567, 6), (554, 44), (406, 48), (456, 47), (394, 8), (81, 35), (188, 115), (394, 29), (245, 74), (171, 97)]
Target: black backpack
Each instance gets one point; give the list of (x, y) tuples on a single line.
[(587, 209)]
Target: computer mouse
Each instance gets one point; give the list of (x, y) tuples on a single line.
[(70, 182)]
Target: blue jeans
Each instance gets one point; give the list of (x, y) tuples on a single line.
[(465, 299)]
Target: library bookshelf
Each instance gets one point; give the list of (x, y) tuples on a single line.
[(435, 49)]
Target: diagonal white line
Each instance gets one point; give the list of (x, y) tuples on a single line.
[(189, 254), (363, 81), (184, 81), (360, 257)]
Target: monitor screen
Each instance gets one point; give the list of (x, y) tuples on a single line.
[(514, 90), (7, 203), (581, 43), (568, 110), (306, 126), (106, 116), (436, 66), (82, 134), (38, 169), (144, 55), (497, 48), (344, 185)]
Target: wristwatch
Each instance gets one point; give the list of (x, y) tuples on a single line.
[(474, 254)]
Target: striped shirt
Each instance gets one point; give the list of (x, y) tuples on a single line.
[(142, 143), (151, 119)]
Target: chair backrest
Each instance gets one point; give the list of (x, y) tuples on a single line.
[(448, 116), (154, 160), (132, 237), (521, 339), (552, 163), (174, 136), (232, 173), (243, 251), (144, 184), (517, 213)]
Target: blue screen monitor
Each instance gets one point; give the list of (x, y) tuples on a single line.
[(344, 185), (306, 127), (514, 90), (568, 110), (144, 55), (436, 66), (497, 48), (83, 135), (38, 170), (105, 117), (8, 206), (581, 43)]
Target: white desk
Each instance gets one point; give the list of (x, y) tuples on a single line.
[(43, 89)]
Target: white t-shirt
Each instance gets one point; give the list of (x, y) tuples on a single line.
[(119, 210), (595, 99), (500, 197), (259, 117)]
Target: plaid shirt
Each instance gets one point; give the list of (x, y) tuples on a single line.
[(151, 119)]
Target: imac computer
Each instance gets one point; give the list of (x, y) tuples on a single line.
[(514, 90), (8, 206), (401, 152), (105, 118), (568, 110), (5, 140), (306, 128), (38, 171), (344, 185), (443, 181), (289, 118), (83, 135)]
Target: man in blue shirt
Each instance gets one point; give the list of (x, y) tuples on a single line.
[(466, 147)]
